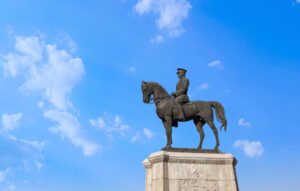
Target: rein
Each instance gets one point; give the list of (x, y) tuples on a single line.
[(158, 99)]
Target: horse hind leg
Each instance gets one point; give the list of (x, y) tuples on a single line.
[(199, 124), (215, 130)]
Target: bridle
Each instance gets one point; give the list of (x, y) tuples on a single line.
[(159, 99)]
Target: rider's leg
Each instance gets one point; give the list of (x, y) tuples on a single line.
[(180, 114)]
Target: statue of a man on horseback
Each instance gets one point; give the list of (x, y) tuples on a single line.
[(171, 110), (180, 95)]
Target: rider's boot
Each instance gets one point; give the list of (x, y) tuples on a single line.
[(180, 116)]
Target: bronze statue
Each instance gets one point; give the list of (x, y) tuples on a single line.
[(200, 112), (180, 95)]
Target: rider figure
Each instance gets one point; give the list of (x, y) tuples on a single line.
[(181, 93)]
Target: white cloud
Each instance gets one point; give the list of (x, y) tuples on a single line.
[(132, 69), (38, 165), (243, 123), (251, 148), (2, 177), (157, 39), (35, 144), (67, 39), (12, 188), (46, 69), (69, 126), (5, 182), (40, 104), (98, 122), (52, 73), (30, 165), (28, 51), (56, 79), (203, 86), (4, 173), (171, 14), (31, 47), (216, 64), (136, 137), (148, 133), (111, 125), (11, 121)]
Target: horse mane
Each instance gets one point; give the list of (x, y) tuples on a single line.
[(160, 90)]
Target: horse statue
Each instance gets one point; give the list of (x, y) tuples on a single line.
[(200, 112)]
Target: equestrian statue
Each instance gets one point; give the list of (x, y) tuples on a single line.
[(175, 108)]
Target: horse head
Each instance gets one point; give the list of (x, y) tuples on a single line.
[(146, 89)]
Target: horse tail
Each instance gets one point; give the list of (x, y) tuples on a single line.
[(220, 113)]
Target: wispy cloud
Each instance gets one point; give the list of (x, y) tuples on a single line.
[(253, 149), (136, 137), (216, 64), (157, 39), (145, 134), (12, 188), (243, 123), (148, 133), (203, 86), (52, 73), (6, 183), (35, 144), (111, 125), (295, 3), (69, 126), (4, 173), (132, 69), (32, 165), (171, 14), (11, 121), (66, 40)]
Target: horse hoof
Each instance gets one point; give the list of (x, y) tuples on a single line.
[(167, 147)]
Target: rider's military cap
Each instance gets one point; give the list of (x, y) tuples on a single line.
[(181, 69)]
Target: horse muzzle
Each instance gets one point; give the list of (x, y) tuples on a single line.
[(146, 100)]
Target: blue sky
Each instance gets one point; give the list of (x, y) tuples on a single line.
[(72, 116)]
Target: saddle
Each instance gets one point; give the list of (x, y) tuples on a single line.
[(183, 108)]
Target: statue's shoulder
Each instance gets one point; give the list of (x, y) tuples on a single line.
[(184, 78)]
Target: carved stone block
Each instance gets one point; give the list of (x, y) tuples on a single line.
[(183, 171)]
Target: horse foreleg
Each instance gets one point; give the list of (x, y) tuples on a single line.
[(168, 128), (199, 124), (215, 130)]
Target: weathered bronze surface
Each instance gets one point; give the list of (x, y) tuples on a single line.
[(167, 109)]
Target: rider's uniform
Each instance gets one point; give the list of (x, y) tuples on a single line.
[(181, 90)]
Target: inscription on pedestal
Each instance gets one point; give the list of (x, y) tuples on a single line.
[(198, 173), (197, 185)]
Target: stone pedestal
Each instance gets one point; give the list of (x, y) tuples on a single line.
[(185, 171)]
